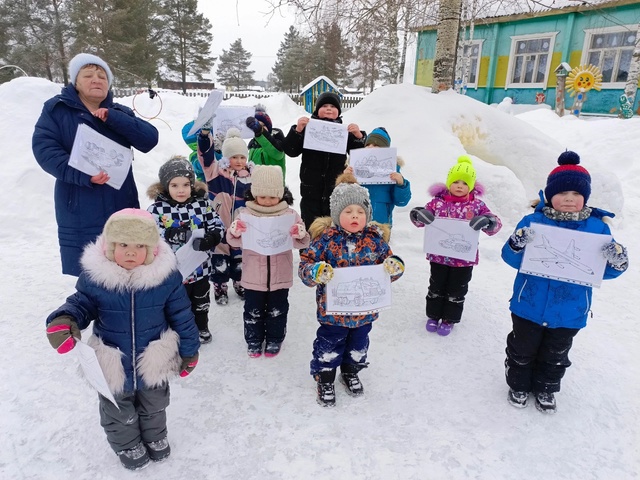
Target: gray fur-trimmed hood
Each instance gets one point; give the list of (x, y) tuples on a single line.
[(111, 276)]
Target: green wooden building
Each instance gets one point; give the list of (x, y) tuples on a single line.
[(516, 55)]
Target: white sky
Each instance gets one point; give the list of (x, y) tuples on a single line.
[(261, 35), (433, 408)]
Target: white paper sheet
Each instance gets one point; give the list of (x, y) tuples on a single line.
[(188, 258), (373, 165), (451, 237), (268, 235), (228, 117), (358, 290), (92, 370), (565, 255), (208, 110), (326, 136), (93, 152)]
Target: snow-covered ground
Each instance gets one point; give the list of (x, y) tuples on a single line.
[(434, 408)]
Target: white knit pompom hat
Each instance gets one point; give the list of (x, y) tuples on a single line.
[(234, 145), (84, 59)]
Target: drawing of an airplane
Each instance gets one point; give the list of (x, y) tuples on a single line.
[(560, 258)]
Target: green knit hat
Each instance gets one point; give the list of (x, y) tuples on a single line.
[(463, 170)]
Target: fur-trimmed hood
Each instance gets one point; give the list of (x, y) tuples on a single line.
[(440, 190), (111, 276), (320, 224), (156, 190)]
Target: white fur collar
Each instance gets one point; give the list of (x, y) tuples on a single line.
[(111, 276)]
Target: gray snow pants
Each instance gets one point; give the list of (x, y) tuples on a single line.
[(142, 416)]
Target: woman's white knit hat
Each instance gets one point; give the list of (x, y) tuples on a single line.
[(84, 59)]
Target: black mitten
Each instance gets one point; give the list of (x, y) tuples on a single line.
[(177, 235), (254, 125), (208, 242), (482, 222)]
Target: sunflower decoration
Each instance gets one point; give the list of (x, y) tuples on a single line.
[(584, 78)]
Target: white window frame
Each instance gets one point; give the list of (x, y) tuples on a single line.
[(512, 55), (470, 43), (588, 34)]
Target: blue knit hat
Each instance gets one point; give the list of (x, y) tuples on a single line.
[(379, 137), (84, 59), (568, 177)]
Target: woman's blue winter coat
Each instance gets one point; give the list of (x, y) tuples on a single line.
[(82, 208)]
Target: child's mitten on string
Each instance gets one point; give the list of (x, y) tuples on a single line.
[(393, 265), (519, 239), (322, 272), (616, 255)]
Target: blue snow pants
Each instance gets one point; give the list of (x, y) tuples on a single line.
[(336, 345)]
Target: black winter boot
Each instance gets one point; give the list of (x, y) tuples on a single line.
[(326, 390), (349, 378)]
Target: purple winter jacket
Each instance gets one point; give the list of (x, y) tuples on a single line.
[(445, 205)]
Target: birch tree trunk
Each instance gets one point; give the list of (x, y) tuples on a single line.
[(630, 89), (444, 64)]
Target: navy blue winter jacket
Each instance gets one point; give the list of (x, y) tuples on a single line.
[(82, 208)]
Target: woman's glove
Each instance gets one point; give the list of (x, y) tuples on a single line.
[(62, 333), (188, 364), (393, 265), (237, 228), (519, 239), (298, 231), (322, 272), (421, 216), (616, 255), (482, 222), (208, 242)]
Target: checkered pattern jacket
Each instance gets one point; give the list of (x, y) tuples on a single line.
[(197, 212)]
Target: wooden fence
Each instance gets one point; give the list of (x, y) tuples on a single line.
[(348, 101)]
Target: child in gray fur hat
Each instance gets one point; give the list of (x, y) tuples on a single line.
[(144, 332), (182, 206), (345, 239)]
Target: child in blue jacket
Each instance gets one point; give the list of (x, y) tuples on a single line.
[(384, 197), (548, 313), (144, 332)]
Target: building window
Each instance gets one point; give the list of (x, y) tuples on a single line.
[(529, 62), (473, 51), (610, 50)]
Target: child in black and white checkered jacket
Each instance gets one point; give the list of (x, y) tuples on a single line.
[(182, 206)]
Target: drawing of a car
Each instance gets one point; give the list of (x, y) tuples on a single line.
[(358, 291), (456, 242)]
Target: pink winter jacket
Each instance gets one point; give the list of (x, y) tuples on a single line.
[(267, 272), (445, 205)]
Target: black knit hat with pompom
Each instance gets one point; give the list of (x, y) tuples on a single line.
[(568, 177)]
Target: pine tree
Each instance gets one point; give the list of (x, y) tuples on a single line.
[(233, 70), (187, 40), (283, 71)]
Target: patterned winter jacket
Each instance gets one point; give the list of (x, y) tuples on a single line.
[(142, 319), (385, 197), (552, 303), (197, 212), (82, 208), (266, 273), (267, 149), (444, 205), (340, 248)]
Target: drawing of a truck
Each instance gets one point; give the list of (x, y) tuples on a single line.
[(358, 291), (371, 166)]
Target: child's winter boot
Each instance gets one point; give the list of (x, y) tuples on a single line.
[(239, 289), (444, 328), (326, 389), (272, 349), (220, 293), (159, 450), (518, 399), (349, 378), (254, 350), (546, 402), (134, 458), (205, 336), (432, 325)]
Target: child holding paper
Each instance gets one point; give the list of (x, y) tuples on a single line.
[(143, 331), (266, 278), (547, 313), (450, 277), (345, 239), (384, 197), (181, 206), (319, 170)]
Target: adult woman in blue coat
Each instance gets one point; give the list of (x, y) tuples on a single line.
[(83, 203)]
